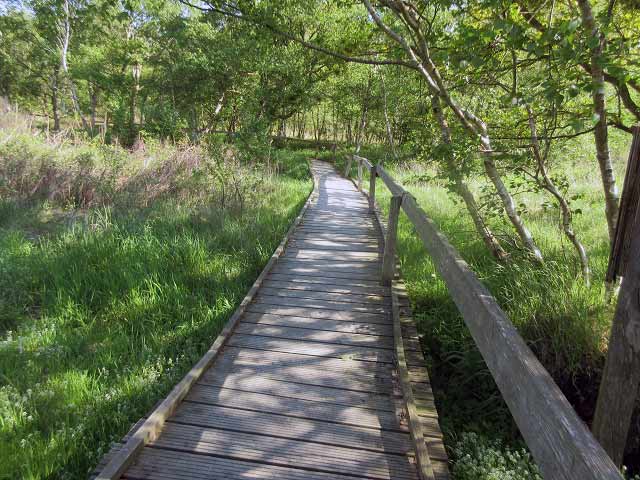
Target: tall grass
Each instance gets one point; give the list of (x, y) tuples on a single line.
[(103, 308)]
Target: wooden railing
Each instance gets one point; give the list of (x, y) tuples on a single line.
[(560, 443)]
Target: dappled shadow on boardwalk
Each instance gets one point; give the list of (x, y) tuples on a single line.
[(305, 387)]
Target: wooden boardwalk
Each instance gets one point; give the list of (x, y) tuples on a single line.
[(306, 385)]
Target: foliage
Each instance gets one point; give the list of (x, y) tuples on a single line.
[(477, 458)]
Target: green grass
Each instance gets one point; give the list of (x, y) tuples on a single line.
[(101, 313)]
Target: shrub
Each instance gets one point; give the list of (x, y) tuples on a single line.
[(479, 458)]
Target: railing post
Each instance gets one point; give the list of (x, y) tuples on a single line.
[(347, 170), (359, 174), (389, 258), (373, 173)]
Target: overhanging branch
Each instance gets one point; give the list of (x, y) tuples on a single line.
[(244, 16)]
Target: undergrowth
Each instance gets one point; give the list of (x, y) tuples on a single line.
[(107, 303)]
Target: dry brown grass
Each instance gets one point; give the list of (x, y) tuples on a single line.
[(69, 172)]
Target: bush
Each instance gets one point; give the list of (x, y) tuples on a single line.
[(478, 458)]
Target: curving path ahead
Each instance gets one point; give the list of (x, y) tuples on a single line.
[(305, 386)]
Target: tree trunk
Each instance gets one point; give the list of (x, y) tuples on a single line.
[(363, 116), (94, 107), (387, 124), (233, 120), (136, 70), (599, 107), (54, 99), (548, 184), (421, 57), (463, 190), (65, 38), (510, 206)]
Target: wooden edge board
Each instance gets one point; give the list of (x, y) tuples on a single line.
[(423, 459), (152, 426)]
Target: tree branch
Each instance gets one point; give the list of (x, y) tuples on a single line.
[(244, 16)]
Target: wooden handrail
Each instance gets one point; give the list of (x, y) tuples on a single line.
[(366, 162), (560, 443)]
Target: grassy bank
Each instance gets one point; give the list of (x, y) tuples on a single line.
[(105, 305), (564, 322)]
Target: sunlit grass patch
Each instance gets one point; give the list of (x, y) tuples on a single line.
[(102, 314)]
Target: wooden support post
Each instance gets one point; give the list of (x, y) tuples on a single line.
[(389, 258), (373, 173), (619, 387), (347, 170), (360, 174)]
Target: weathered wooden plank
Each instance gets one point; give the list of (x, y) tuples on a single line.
[(297, 453), (323, 336), (339, 218), (331, 225), (327, 202), (361, 214), (319, 313), (323, 266), (326, 230), (368, 285), (334, 256), (312, 348), (348, 297), (341, 230), (335, 237), (335, 224), (319, 324), (307, 373), (423, 459), (316, 393), (315, 269), (273, 415), (321, 304), (340, 366), (333, 245), (371, 291), (162, 464)]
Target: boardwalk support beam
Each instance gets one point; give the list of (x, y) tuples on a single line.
[(389, 258)]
